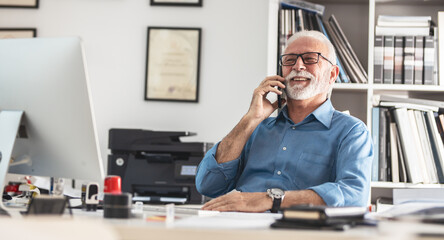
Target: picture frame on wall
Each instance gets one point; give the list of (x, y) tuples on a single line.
[(18, 33), (185, 3), (19, 3), (172, 64)]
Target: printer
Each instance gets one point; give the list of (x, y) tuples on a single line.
[(155, 166)]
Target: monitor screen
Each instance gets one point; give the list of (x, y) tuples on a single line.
[(46, 79)]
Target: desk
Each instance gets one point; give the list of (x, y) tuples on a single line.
[(91, 225)]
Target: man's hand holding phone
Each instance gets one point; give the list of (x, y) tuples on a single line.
[(260, 107)]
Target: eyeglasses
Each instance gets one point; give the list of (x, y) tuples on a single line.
[(307, 58)]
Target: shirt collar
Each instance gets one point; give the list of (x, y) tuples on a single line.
[(323, 113)]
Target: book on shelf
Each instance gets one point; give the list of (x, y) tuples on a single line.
[(348, 61), (414, 139), (303, 5), (424, 144), (436, 59), (426, 178), (394, 156), (440, 125), (335, 25), (402, 31), (403, 177), (390, 98), (436, 144), (440, 44), (383, 163), (404, 21), (375, 138), (415, 106), (408, 145), (343, 77)]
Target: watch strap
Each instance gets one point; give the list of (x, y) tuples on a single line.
[(276, 205)]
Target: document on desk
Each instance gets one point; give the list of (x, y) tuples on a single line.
[(410, 209), (230, 220)]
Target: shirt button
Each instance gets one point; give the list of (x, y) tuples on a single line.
[(279, 172), (293, 128), (284, 148)]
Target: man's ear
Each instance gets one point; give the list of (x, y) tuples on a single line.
[(334, 72)]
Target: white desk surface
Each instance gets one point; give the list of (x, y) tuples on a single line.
[(92, 225)]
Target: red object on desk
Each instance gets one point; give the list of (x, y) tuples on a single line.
[(113, 184)]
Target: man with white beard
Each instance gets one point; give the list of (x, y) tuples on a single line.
[(309, 154)]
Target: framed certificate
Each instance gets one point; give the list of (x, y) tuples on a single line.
[(172, 64), (19, 3), (17, 33), (190, 3)]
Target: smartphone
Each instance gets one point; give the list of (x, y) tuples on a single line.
[(279, 96)]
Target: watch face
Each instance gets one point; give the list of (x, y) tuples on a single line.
[(277, 193)]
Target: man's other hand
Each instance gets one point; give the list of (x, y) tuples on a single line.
[(240, 202)]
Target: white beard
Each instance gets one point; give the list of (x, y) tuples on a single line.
[(298, 92)]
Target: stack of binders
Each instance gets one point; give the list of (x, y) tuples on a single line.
[(405, 50)]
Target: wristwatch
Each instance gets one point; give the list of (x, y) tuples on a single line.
[(277, 195)]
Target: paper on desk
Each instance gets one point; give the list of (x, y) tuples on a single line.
[(406, 209), (230, 220)]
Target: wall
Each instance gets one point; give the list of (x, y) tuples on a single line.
[(233, 59)]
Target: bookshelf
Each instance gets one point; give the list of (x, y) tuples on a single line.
[(358, 98)]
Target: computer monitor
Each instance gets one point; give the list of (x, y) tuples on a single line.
[(44, 87)]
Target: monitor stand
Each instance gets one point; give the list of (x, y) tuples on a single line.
[(9, 127)]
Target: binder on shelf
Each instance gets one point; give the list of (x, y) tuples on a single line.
[(419, 60), (409, 59), (398, 61), (378, 59), (429, 60), (389, 52)]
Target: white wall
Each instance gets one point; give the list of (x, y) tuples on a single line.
[(233, 59)]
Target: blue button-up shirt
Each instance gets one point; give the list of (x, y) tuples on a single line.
[(328, 152)]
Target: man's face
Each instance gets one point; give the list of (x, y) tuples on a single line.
[(304, 81)]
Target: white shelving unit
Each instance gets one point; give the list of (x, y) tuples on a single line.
[(358, 98)]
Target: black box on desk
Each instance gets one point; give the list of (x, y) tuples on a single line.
[(156, 166)]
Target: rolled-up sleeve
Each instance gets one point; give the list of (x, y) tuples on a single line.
[(353, 171), (214, 179)]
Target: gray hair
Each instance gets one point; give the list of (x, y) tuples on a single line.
[(331, 55)]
